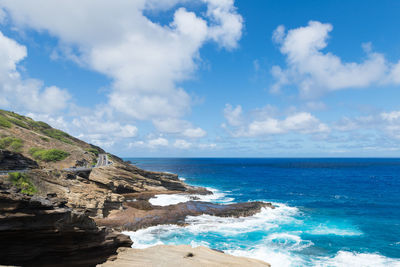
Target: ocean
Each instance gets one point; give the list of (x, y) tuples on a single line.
[(329, 212)]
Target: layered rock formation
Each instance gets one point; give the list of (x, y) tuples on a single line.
[(15, 161), (36, 231), (99, 191)]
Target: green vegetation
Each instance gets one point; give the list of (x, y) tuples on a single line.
[(39, 125), (12, 143), (8, 118), (44, 138), (93, 150), (18, 122), (4, 122), (22, 181), (57, 134), (48, 155)]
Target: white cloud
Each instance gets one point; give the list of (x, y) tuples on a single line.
[(264, 123), (99, 125), (182, 144), (302, 122), (158, 142), (145, 60), (194, 133), (387, 123), (228, 23), (233, 115), (207, 146), (391, 116), (21, 94), (154, 143), (315, 72), (3, 16)]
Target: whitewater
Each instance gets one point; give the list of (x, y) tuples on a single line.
[(289, 235)]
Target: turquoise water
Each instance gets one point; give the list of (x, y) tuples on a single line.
[(330, 212)]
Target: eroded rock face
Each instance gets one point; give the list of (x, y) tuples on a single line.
[(125, 178), (15, 161), (37, 231), (141, 214), (78, 192), (100, 191)]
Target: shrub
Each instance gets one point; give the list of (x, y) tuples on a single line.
[(48, 155), (45, 139), (12, 143), (4, 122), (22, 182), (93, 150)]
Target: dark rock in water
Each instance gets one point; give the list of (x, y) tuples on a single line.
[(36, 232), (15, 161), (139, 215)]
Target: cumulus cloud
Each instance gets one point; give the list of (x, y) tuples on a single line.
[(22, 94), (265, 124), (182, 144), (145, 60), (178, 126), (194, 133), (151, 143), (315, 71), (233, 115), (387, 123)]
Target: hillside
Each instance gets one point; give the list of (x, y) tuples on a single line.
[(41, 203), (51, 212), (24, 135)]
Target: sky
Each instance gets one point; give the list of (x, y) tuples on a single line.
[(208, 78)]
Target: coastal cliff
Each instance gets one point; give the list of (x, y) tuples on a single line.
[(59, 208), (37, 231)]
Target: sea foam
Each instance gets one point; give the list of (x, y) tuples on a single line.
[(346, 258), (172, 199)]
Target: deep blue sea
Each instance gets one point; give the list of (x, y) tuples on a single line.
[(330, 212)]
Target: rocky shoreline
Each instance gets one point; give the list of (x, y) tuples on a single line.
[(75, 218)]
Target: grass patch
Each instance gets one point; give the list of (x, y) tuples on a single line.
[(39, 125), (45, 139), (22, 182), (53, 155), (11, 143), (18, 122), (4, 122), (57, 134), (94, 151)]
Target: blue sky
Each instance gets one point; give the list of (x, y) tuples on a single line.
[(208, 78)]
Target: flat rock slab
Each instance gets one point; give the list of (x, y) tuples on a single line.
[(141, 214), (182, 256)]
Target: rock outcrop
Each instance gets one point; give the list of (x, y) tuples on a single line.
[(124, 178), (37, 231), (100, 191), (15, 161), (141, 214), (182, 256)]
